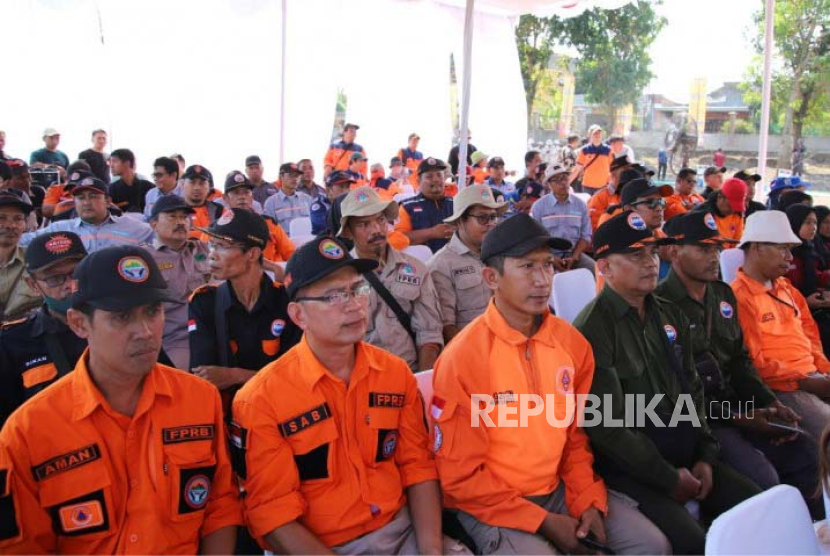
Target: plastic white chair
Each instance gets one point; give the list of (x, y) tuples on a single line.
[(420, 252), (299, 227), (584, 196), (301, 240), (572, 291), (730, 261), (399, 197), (424, 379), (776, 521)]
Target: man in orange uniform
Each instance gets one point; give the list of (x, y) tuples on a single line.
[(779, 330), (727, 206), (593, 162), (338, 157), (684, 198), (411, 158), (197, 184), (123, 455), (528, 489), (329, 440)]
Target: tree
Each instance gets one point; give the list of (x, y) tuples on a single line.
[(613, 65), (802, 41)]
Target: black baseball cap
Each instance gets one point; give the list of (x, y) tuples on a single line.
[(353, 126), (430, 164), (712, 170), (695, 227), (76, 176), (318, 258), (290, 168), (90, 183), (623, 233), (644, 170), (532, 189), (620, 162), (745, 175), (253, 159), (395, 160), (15, 198), (495, 161), (339, 177), (241, 226), (198, 172), (237, 179), (119, 278), (170, 203), (517, 236), (642, 187), (53, 247)]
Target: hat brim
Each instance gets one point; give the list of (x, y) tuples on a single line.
[(639, 244), (211, 233), (502, 207), (231, 187), (360, 265), (525, 247), (69, 256), (78, 188), (714, 240), (134, 299), (388, 208), (19, 203)]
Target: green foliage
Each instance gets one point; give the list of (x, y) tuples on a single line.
[(744, 127)]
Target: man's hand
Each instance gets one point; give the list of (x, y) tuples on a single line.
[(759, 423), (687, 487), (702, 471), (560, 265), (442, 231), (816, 300), (222, 377), (561, 531), (524, 205), (591, 522)]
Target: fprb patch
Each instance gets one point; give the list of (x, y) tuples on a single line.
[(187, 433), (226, 218), (196, 491), (58, 244), (636, 222), (710, 223), (277, 327), (330, 249), (133, 269), (726, 310), (671, 333)]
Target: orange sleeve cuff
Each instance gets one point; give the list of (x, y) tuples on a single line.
[(596, 495), (418, 472), (264, 518)]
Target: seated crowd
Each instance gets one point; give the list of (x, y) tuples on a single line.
[(300, 315)]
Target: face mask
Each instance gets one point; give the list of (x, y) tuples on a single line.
[(58, 305)]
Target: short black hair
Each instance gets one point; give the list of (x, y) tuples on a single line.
[(177, 156), (78, 165), (170, 166), (496, 262), (94, 131), (299, 162), (530, 155), (124, 154), (573, 138), (686, 172)]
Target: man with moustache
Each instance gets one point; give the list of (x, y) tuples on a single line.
[(642, 346), (195, 190), (421, 218), (16, 299), (122, 454)]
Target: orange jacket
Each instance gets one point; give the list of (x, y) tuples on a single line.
[(480, 174), (731, 226), (681, 204), (94, 481), (339, 153), (779, 332), (598, 203), (336, 458), (487, 471), (279, 247)]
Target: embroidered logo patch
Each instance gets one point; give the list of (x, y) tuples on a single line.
[(710, 223), (133, 269), (671, 333), (79, 517), (277, 327), (196, 491), (726, 310), (58, 244), (308, 419), (187, 433), (387, 399), (636, 222), (330, 249), (564, 380)]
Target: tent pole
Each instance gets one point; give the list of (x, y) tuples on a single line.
[(282, 79), (765, 98), (465, 94)]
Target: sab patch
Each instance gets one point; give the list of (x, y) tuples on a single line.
[(66, 462), (187, 433), (386, 399), (82, 515), (308, 419), (194, 488), (387, 444)]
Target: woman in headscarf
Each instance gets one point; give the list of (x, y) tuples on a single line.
[(822, 240)]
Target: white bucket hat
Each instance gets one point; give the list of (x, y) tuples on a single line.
[(769, 226)]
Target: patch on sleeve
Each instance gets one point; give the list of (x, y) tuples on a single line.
[(81, 516), (387, 444), (438, 438), (66, 462), (238, 444)]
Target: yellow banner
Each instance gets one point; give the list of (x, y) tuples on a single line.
[(697, 105), (566, 117)]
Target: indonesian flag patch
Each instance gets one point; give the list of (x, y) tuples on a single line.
[(437, 407), (191, 325)]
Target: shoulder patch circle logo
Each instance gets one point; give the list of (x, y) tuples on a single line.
[(636, 222), (726, 310), (671, 333), (277, 327), (710, 223)]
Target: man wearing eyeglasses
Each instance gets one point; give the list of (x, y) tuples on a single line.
[(404, 317), (240, 325), (329, 441), (565, 216), (684, 198), (94, 224), (16, 300), (36, 351), (456, 268), (779, 331), (166, 176)]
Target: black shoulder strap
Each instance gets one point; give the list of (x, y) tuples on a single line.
[(53, 346), (393, 304)]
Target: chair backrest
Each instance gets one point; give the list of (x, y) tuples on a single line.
[(730, 261), (584, 196), (424, 379), (300, 240), (572, 291), (402, 196), (420, 252), (776, 521), (299, 227)]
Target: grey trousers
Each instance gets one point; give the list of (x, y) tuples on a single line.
[(814, 412), (396, 537), (628, 531)]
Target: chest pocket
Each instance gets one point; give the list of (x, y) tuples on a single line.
[(472, 295), (189, 468), (381, 444), (313, 449), (80, 503), (405, 288)]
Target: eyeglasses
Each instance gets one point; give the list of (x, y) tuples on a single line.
[(158, 175), (338, 299), (56, 280), (484, 219), (651, 203)]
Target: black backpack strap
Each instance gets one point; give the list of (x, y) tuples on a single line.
[(393, 304)]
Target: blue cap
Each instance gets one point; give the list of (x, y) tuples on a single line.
[(791, 182)]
